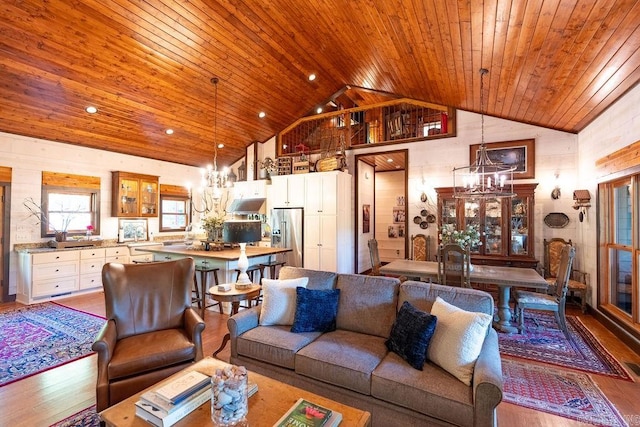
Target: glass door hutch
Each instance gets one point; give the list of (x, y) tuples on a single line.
[(506, 225)]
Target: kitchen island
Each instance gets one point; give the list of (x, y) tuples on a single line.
[(226, 260)]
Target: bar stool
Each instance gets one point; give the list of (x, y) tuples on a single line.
[(273, 265), (201, 294)]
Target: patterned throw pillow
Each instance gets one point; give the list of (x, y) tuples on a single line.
[(411, 334), (316, 310)]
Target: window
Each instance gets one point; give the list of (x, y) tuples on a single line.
[(71, 210), (175, 208)]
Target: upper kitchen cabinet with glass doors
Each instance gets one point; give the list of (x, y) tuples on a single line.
[(134, 195), (505, 224)]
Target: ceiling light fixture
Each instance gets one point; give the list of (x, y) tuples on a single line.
[(484, 179), (319, 110), (213, 181), (91, 109), (169, 131), (262, 114), (312, 77)]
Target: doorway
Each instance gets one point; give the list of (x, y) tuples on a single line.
[(381, 199), (5, 190)]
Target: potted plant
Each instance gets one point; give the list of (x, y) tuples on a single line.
[(212, 224)]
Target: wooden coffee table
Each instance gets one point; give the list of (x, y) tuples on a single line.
[(270, 402)]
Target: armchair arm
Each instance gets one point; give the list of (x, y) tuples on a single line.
[(193, 326), (240, 323), (487, 382), (579, 276), (104, 345)]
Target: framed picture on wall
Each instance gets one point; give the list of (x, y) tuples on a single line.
[(398, 215), (366, 218), (392, 232), (520, 153)]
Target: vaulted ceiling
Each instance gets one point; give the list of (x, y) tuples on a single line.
[(147, 65)]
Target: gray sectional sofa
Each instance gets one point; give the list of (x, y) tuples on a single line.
[(352, 364)]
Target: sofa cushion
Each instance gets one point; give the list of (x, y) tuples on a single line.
[(279, 300), (431, 391), (422, 296), (316, 310), (317, 279), (410, 334), (343, 358), (273, 344), (457, 341), (367, 304)]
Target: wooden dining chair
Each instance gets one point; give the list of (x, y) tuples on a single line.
[(577, 280), (556, 301), (375, 257), (454, 265), (420, 247)]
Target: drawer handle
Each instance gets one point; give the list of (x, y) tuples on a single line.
[(57, 269), (58, 257)]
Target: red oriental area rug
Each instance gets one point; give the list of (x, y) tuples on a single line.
[(39, 337), (85, 418), (568, 394), (544, 342)]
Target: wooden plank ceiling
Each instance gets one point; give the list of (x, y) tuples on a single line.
[(147, 65)]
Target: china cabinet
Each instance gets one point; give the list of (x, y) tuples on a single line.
[(506, 225), (134, 195)]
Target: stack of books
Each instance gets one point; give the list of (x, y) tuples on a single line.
[(308, 414), (166, 405)]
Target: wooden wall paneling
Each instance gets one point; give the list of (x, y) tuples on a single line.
[(56, 179), (617, 161)]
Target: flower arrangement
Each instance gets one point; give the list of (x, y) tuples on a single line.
[(212, 222), (470, 236)]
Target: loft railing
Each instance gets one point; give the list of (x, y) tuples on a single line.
[(397, 121)]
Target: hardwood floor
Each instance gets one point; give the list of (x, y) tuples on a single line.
[(48, 397)]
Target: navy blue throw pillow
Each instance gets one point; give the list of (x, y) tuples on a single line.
[(316, 310), (411, 333)]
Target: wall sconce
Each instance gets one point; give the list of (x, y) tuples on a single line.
[(555, 193)]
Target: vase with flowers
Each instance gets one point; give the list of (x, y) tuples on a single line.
[(212, 225), (59, 226)]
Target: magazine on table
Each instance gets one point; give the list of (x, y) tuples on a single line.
[(183, 386), (308, 414), (162, 418)]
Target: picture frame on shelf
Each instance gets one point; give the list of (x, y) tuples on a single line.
[(520, 153)]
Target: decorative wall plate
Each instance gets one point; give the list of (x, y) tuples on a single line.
[(556, 220), (431, 218), (424, 225), (417, 219)]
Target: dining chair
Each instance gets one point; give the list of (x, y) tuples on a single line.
[(547, 302), (420, 247), (577, 279), (454, 265)]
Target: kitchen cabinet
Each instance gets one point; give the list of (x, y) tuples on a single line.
[(91, 262), (506, 225), (328, 232), (287, 191), (134, 195), (250, 189)]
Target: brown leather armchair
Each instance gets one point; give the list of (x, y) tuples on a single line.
[(151, 330)]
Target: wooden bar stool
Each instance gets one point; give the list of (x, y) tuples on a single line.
[(201, 292), (273, 265)]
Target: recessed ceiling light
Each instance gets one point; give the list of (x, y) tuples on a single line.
[(389, 160), (91, 109), (262, 114), (319, 110), (312, 77), (221, 145), (169, 131)]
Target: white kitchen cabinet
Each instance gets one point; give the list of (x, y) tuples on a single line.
[(287, 191), (47, 274), (328, 218), (119, 254), (91, 262)]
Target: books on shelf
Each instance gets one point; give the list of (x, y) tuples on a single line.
[(165, 418), (308, 414)]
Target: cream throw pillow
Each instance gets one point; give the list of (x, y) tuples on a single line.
[(457, 340), (279, 300)]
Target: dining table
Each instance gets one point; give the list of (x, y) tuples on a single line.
[(501, 276)]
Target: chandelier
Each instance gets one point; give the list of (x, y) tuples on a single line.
[(213, 181), (485, 178)]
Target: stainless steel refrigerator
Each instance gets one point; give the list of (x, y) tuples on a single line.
[(287, 232)]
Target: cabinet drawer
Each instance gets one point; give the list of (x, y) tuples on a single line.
[(55, 256), (88, 281), (55, 270), (116, 251), (141, 258), (122, 259), (92, 253), (55, 286), (91, 266)]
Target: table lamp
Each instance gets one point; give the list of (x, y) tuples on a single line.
[(242, 232)]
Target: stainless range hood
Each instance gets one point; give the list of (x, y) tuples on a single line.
[(246, 206)]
